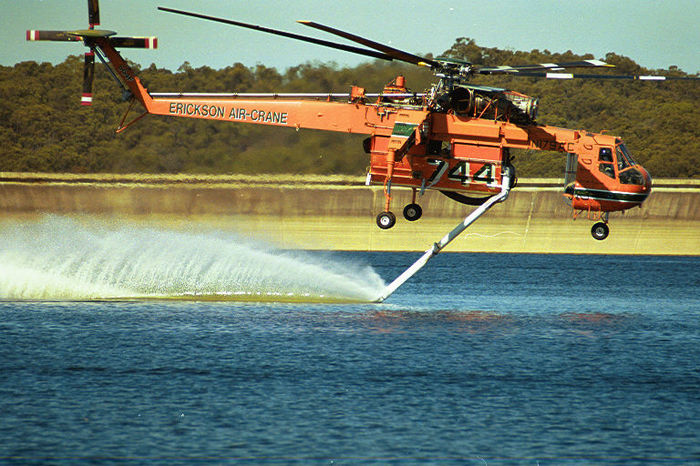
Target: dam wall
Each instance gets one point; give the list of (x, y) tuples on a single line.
[(339, 212)]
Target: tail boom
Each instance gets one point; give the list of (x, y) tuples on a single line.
[(125, 73)]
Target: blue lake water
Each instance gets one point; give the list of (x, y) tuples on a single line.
[(479, 359)]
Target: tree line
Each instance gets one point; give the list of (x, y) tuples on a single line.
[(43, 128)]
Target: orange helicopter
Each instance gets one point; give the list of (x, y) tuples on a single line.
[(455, 137)]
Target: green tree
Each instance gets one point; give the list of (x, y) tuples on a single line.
[(43, 127)]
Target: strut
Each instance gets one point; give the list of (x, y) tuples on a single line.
[(508, 175)]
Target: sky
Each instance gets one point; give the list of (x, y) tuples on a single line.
[(655, 34)]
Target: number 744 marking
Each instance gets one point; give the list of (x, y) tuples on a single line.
[(461, 172)]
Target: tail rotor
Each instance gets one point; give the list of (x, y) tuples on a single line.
[(91, 38)]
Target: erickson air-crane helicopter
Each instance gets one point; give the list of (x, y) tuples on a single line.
[(455, 137)]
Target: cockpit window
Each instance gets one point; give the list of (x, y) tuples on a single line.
[(632, 176), (607, 168), (605, 154), (622, 162), (624, 159)]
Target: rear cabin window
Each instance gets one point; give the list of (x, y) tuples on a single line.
[(605, 159), (605, 154)]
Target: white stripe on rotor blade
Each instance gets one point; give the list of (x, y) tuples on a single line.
[(596, 62), (559, 76), (652, 78)]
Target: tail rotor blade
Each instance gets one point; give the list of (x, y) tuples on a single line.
[(135, 42), (59, 36), (94, 13), (88, 76)]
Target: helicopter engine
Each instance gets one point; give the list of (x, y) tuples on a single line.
[(488, 102)]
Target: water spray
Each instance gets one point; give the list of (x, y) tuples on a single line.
[(58, 258)]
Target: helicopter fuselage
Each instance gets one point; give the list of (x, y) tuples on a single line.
[(444, 150), (454, 138)]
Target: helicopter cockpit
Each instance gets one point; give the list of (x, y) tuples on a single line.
[(617, 163)]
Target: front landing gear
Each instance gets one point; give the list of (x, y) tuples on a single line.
[(600, 231)]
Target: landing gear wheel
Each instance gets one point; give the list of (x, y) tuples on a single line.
[(600, 231), (386, 220), (412, 212)]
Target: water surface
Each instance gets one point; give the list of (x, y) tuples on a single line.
[(481, 358)]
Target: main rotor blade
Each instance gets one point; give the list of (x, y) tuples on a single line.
[(325, 43), (392, 52), (88, 76), (94, 13), (60, 36), (605, 76), (544, 66)]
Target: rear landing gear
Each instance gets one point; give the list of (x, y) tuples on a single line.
[(386, 220), (600, 231), (412, 212)]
